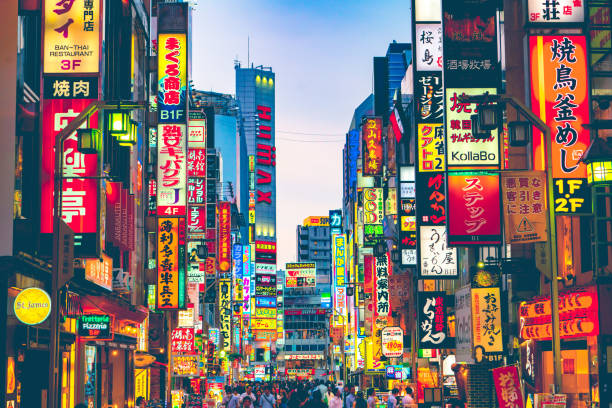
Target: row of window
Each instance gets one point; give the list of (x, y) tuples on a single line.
[(304, 347)]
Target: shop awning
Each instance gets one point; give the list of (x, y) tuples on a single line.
[(121, 309)]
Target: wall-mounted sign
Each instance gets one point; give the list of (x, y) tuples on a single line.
[(407, 235), (196, 129), (265, 312), (182, 340), (463, 325), (225, 244), (300, 275), (225, 313), (265, 302), (431, 200), (339, 254), (508, 387), (171, 170), (32, 306), (429, 47), (431, 147), (432, 320), (437, 259), (524, 203), (373, 211), (429, 97), (474, 216), (263, 324), (172, 72), (381, 285), (486, 320), (392, 341), (167, 264), (71, 37), (572, 196), (99, 327), (99, 271), (556, 12), (372, 147)]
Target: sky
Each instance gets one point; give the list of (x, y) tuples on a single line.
[(321, 52)]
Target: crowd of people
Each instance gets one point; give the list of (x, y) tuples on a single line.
[(314, 394)]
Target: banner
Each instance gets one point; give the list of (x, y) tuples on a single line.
[(371, 133), (486, 320), (167, 264), (525, 208), (225, 313), (432, 330), (300, 275), (508, 387)]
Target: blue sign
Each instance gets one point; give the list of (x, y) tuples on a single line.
[(265, 302), (237, 255)]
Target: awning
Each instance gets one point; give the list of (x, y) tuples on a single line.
[(117, 307)]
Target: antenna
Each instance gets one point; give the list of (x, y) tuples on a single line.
[(248, 51)]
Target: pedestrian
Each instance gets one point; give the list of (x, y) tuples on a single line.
[(350, 397), (234, 401), (227, 396), (246, 402), (267, 399), (408, 399), (248, 393), (360, 402), (336, 401), (392, 400), (316, 401), (141, 402), (371, 398)]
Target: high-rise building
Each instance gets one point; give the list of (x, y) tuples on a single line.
[(388, 74), (314, 245)]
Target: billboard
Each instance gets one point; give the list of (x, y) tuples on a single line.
[(171, 170), (474, 216), (431, 200), (225, 313), (172, 72), (559, 96), (462, 149), (300, 275), (371, 134), (71, 37), (437, 259), (167, 264), (225, 244)]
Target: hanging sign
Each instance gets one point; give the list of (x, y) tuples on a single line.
[(392, 342), (98, 327), (381, 286), (167, 264), (437, 259), (524, 203), (372, 147), (486, 320), (225, 313), (32, 306), (172, 72), (182, 340), (428, 47), (508, 387), (432, 320)]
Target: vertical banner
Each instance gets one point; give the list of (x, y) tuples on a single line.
[(524, 203), (381, 286), (372, 147), (339, 271), (225, 244), (508, 387), (171, 170), (474, 216), (432, 320), (167, 264), (486, 320), (225, 314)]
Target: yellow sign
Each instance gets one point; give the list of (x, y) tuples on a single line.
[(266, 312), (167, 264), (72, 37), (263, 324), (225, 313), (316, 222), (486, 319), (431, 147), (32, 306)]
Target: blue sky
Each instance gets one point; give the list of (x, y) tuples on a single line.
[(321, 52)]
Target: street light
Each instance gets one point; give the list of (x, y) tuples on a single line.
[(598, 159), (88, 140), (520, 133), (552, 224)]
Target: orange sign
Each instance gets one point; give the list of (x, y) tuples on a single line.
[(167, 263), (372, 147), (225, 244), (99, 271), (559, 96)]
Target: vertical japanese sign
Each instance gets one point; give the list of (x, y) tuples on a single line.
[(196, 162), (196, 191), (225, 313), (508, 387), (247, 275), (432, 329), (524, 203), (182, 340), (71, 37), (171, 170), (431, 200), (372, 151), (429, 47), (266, 155), (486, 320), (339, 271), (373, 212), (463, 324), (437, 259), (79, 195), (431, 147), (407, 233), (225, 244), (429, 97), (473, 209), (167, 263), (559, 96), (381, 286), (555, 12), (172, 71), (196, 222)]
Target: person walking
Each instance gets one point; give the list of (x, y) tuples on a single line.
[(349, 400), (336, 401), (392, 401), (408, 399), (371, 402), (234, 401), (360, 402), (267, 400)]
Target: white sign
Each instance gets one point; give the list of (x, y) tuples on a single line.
[(171, 169), (429, 47), (265, 269), (555, 12), (186, 318), (437, 259), (392, 341), (407, 190), (197, 133), (463, 325), (409, 256), (428, 10)]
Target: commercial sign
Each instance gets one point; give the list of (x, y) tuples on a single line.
[(185, 365), (316, 222), (437, 259), (263, 324), (171, 170), (578, 315), (167, 263), (486, 320), (266, 312), (225, 245), (463, 325), (196, 161), (99, 271), (225, 313), (32, 306), (559, 96), (79, 195), (265, 302), (182, 340), (304, 357), (266, 155), (172, 72), (392, 342), (429, 97), (572, 196), (524, 203), (71, 37), (300, 275), (429, 47), (373, 211), (407, 234), (432, 320), (339, 253), (265, 280), (196, 222), (431, 201), (372, 147), (508, 387), (335, 219), (98, 327), (473, 209), (555, 12), (462, 149), (431, 147), (196, 130), (381, 285)]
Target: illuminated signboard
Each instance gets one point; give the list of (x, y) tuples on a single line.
[(196, 222), (196, 130), (300, 275), (265, 269), (316, 221), (79, 195), (339, 253), (97, 327), (432, 320), (559, 96), (171, 170), (486, 319), (429, 47), (32, 306), (431, 147), (381, 286), (462, 149), (225, 313), (431, 200), (263, 324), (225, 224), (474, 216), (555, 12), (266, 155), (265, 302), (167, 264), (172, 72), (99, 271), (265, 290), (437, 259), (196, 162), (266, 312), (407, 233), (373, 211), (372, 147), (185, 366), (71, 37), (182, 340), (392, 341), (265, 252)]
